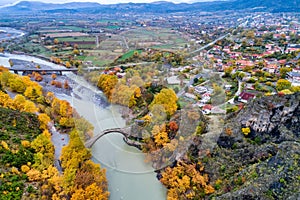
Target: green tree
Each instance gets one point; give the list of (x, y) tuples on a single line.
[(283, 71)]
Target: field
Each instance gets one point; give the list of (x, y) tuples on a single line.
[(66, 34), (110, 46), (76, 39), (154, 38), (129, 54), (99, 57), (127, 42), (70, 28)]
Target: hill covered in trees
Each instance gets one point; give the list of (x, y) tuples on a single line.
[(156, 7), (27, 168)]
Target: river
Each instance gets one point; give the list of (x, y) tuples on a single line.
[(129, 177), (7, 33)]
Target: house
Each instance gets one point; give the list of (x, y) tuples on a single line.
[(249, 86), (190, 96), (294, 78), (271, 68), (200, 89), (207, 109), (206, 95), (245, 96), (228, 87), (173, 80)]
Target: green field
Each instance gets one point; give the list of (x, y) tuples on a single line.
[(76, 39), (72, 28), (99, 57), (112, 27), (129, 54), (157, 38)]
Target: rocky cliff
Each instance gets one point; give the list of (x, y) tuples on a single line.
[(264, 164)]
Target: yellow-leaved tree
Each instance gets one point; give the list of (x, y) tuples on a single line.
[(93, 191), (44, 152), (186, 182), (106, 83), (168, 99)]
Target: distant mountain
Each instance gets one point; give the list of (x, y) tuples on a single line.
[(266, 5), (36, 5), (156, 7)]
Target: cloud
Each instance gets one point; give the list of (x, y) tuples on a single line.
[(5, 2)]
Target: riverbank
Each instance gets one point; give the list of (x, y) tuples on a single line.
[(7, 33), (128, 175)]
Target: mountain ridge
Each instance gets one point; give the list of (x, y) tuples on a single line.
[(157, 7)]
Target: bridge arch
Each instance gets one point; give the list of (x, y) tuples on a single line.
[(89, 143)]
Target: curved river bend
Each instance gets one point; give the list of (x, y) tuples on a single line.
[(129, 177)]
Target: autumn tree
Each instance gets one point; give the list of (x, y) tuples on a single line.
[(53, 76), (66, 85), (284, 70), (19, 101), (68, 64), (91, 192), (33, 92), (6, 101), (168, 99), (160, 135), (246, 131), (44, 152), (55, 41), (44, 120), (5, 77), (74, 153), (76, 52), (184, 181), (106, 83), (173, 126), (91, 173), (283, 84), (228, 71), (17, 85)]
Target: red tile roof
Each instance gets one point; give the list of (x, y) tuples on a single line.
[(246, 95), (207, 107)]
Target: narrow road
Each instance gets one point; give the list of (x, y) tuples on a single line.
[(125, 42), (238, 92), (181, 92), (209, 44)]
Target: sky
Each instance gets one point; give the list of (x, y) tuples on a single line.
[(4, 2)]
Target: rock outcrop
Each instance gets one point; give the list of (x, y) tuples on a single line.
[(265, 164)]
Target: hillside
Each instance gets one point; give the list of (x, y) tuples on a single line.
[(263, 164), (16, 127), (156, 7)]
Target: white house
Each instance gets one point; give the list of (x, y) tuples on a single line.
[(294, 78), (200, 89)]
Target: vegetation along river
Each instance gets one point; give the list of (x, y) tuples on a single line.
[(129, 177)]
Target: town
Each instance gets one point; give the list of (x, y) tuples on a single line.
[(255, 54), (173, 101)]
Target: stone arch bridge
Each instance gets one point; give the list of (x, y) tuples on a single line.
[(126, 132)]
